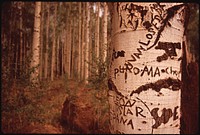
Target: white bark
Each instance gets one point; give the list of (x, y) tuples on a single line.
[(36, 43), (87, 43), (97, 30), (53, 64), (79, 40), (145, 71), (105, 24), (47, 44)]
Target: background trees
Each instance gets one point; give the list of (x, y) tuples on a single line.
[(68, 37)]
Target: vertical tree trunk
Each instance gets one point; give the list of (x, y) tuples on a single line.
[(47, 44), (145, 69), (57, 56), (83, 43), (105, 24), (68, 42), (21, 36), (36, 43), (97, 30), (54, 44), (41, 42), (79, 40), (87, 42)]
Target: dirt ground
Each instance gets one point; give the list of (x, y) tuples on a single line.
[(39, 110)]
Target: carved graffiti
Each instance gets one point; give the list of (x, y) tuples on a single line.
[(128, 68), (132, 15), (117, 54), (130, 109), (170, 50), (164, 118), (170, 83), (137, 54), (127, 106)]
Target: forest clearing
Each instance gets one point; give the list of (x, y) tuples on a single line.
[(99, 67)]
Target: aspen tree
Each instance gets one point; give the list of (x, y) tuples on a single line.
[(145, 70), (97, 30), (47, 43), (36, 44), (54, 44), (68, 41), (105, 24), (87, 42), (41, 42)]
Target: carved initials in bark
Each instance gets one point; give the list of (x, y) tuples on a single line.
[(164, 118), (170, 50)]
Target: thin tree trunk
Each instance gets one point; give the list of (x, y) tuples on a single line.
[(79, 41), (57, 58), (97, 30), (83, 44), (145, 70), (21, 36), (54, 44), (68, 42), (36, 43), (41, 42), (105, 24), (87, 42), (47, 44)]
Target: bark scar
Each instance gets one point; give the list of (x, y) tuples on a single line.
[(175, 85), (112, 86), (170, 14)]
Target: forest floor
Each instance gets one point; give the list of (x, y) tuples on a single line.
[(38, 110)]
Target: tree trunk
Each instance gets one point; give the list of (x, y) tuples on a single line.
[(83, 43), (97, 30), (47, 44), (36, 43), (21, 36), (105, 24), (68, 42), (87, 43), (41, 42), (79, 40), (54, 44), (145, 70)]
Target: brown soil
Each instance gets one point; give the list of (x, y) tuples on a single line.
[(42, 113)]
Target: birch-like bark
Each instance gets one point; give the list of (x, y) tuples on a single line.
[(145, 70), (36, 44), (87, 43), (79, 40), (105, 24), (53, 58), (47, 44), (41, 43), (21, 36), (68, 42), (83, 42), (97, 30)]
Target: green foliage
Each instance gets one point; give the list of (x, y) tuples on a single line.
[(98, 73)]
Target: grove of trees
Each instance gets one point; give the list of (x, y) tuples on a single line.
[(65, 40)]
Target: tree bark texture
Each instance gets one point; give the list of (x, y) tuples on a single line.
[(53, 57), (87, 42), (36, 43), (105, 24), (145, 70), (47, 43)]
